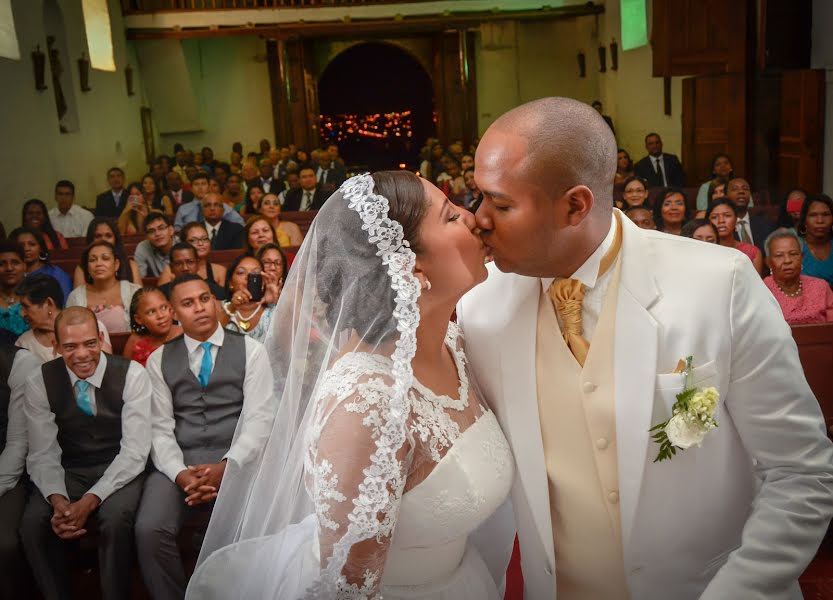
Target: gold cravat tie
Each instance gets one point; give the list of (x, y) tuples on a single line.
[(567, 297)]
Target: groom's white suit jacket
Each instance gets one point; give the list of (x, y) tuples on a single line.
[(739, 517)]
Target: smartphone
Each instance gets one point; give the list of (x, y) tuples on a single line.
[(254, 284)]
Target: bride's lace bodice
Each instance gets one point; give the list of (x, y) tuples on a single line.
[(454, 470)]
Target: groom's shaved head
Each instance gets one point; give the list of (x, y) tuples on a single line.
[(546, 171), (569, 144)]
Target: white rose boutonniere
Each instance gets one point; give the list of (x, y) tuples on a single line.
[(692, 418)]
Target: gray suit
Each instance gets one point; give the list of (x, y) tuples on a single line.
[(205, 421)]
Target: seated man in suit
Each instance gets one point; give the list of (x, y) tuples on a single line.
[(16, 365), (224, 235), (192, 211), (88, 416), (752, 229), (203, 383), (309, 196), (111, 202), (659, 169), (330, 173), (178, 194)]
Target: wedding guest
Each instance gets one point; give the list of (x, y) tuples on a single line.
[(196, 235), (16, 365), (151, 320), (204, 382), (473, 196), (467, 162), (176, 191), (223, 234), (658, 168), (42, 300), (233, 194), (701, 229), (752, 229), (251, 202), (88, 420), (265, 178), (12, 272), (134, 212), (790, 208), (721, 169), (306, 197), (152, 253), (451, 182), (36, 257), (242, 313), (36, 217), (723, 214), (717, 190), (111, 202), (641, 216), (154, 197), (103, 228), (635, 193), (624, 167), (104, 293), (803, 299), (670, 211), (184, 259), (258, 233), (815, 224), (191, 212), (274, 261), (288, 233), (69, 219)]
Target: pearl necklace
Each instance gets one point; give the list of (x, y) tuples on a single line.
[(795, 294), (244, 323)]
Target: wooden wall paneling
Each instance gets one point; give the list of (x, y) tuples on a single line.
[(455, 96), (714, 120), (277, 88), (801, 136)]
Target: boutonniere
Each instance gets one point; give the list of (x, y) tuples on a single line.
[(692, 417)]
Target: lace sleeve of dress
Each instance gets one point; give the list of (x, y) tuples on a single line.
[(356, 469)]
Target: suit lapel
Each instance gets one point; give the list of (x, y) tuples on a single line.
[(519, 397), (635, 359)]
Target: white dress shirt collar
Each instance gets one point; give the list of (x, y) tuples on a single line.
[(216, 338), (588, 273), (96, 378)]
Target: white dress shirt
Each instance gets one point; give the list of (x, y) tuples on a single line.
[(212, 229), (743, 223), (13, 457), (73, 224), (44, 460), (306, 199), (595, 286), (658, 162), (259, 404)]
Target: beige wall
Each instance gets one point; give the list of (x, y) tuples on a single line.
[(230, 80), (34, 154), (519, 62)]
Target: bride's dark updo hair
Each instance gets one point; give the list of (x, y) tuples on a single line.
[(353, 277)]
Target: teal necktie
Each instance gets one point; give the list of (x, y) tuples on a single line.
[(206, 365), (82, 397)]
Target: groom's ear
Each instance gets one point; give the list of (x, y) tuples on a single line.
[(580, 201)]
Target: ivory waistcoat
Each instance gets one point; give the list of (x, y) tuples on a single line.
[(578, 428)]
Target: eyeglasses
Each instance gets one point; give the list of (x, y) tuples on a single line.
[(155, 230), (198, 241), (268, 265), (270, 203)]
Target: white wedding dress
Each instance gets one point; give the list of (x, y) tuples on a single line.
[(464, 468)]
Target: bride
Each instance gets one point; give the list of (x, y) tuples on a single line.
[(383, 459)]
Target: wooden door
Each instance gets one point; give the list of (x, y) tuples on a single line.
[(801, 131), (714, 121), (455, 95)]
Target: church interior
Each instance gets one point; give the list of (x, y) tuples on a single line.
[(128, 109)]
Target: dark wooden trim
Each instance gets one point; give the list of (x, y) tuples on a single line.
[(356, 28)]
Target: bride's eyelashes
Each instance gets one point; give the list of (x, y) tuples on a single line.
[(454, 217)]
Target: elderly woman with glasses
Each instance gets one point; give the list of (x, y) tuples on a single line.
[(803, 299)]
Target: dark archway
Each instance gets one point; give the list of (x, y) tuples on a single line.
[(372, 79)]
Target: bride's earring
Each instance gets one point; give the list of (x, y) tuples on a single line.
[(426, 285)]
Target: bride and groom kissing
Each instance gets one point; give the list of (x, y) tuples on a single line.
[(399, 437)]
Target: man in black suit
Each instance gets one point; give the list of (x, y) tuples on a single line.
[(111, 203), (224, 235), (330, 173), (752, 229), (178, 195), (309, 196), (266, 180), (659, 169)]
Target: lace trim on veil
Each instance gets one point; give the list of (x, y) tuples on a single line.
[(382, 485)]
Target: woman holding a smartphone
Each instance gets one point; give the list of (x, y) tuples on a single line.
[(252, 294)]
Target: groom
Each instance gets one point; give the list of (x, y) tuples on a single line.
[(594, 316)]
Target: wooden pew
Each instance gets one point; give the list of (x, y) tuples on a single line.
[(815, 348)]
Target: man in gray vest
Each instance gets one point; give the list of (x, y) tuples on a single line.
[(204, 382), (88, 417), (16, 365)]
